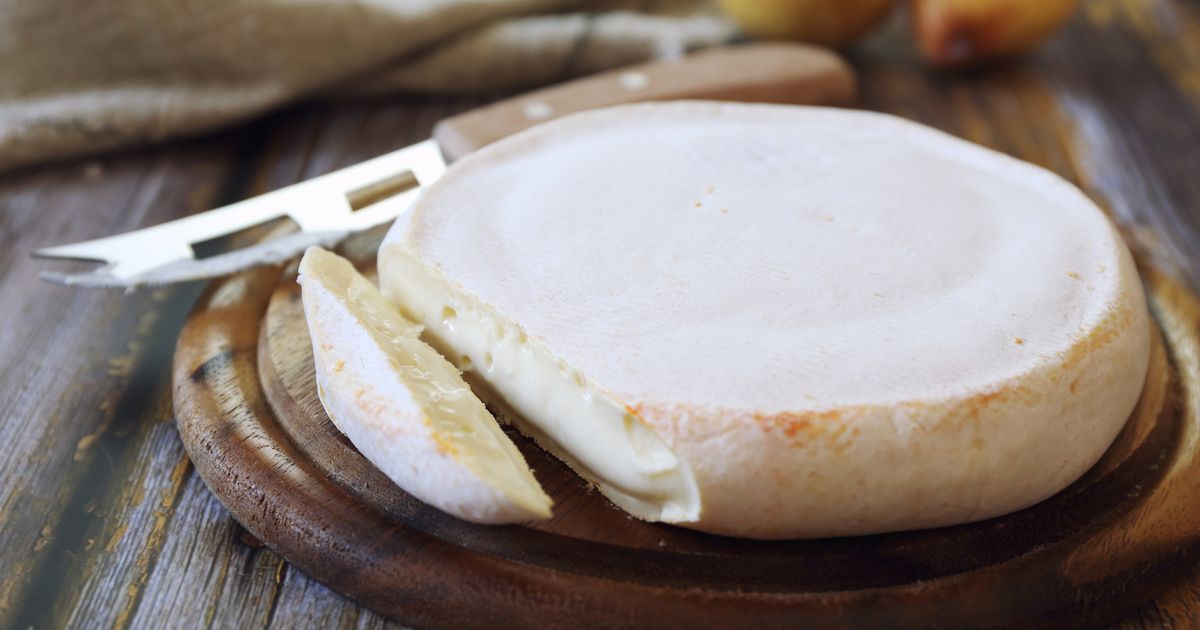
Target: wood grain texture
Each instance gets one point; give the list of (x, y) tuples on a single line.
[(244, 386), (102, 519), (1111, 104)]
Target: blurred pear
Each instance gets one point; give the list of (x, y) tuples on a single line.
[(965, 32), (827, 22)]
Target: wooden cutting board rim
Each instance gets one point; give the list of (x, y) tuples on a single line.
[(759, 558), (766, 579)]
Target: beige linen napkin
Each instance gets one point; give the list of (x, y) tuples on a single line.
[(78, 76)]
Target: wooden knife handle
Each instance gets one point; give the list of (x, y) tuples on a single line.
[(766, 73)]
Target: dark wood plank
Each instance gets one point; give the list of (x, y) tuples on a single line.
[(300, 146), (90, 449), (185, 548), (78, 368), (1126, 80), (305, 603)]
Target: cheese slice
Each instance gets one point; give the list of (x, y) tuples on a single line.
[(406, 408), (776, 322)]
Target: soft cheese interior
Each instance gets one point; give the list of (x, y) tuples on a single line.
[(565, 413)]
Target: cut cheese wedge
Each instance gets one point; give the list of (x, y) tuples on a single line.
[(406, 408), (777, 322)]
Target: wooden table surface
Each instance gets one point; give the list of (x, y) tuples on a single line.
[(103, 521)]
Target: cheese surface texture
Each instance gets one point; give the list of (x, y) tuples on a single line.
[(804, 321)]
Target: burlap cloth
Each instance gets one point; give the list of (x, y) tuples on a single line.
[(78, 76)]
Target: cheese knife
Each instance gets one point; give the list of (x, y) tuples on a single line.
[(328, 208)]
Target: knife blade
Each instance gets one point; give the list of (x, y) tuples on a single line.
[(328, 208), (323, 208)]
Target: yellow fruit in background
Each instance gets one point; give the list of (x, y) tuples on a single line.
[(963, 32), (826, 22)]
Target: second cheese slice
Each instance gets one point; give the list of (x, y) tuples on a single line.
[(777, 322), (404, 406)]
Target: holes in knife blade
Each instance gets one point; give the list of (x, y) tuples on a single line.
[(359, 198), (262, 232), (380, 190)]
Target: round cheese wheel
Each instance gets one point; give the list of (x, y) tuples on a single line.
[(813, 322)]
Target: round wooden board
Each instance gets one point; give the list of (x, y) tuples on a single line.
[(248, 413)]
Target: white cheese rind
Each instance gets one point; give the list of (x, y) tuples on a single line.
[(839, 322)]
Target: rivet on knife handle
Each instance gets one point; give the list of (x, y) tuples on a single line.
[(763, 73)]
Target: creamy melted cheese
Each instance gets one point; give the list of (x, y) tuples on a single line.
[(596, 436)]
